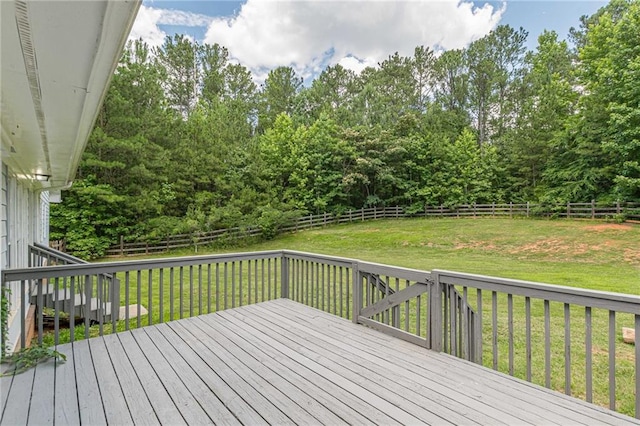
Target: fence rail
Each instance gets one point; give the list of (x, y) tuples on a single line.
[(563, 338), (593, 210)]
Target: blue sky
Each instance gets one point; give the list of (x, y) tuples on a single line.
[(311, 34)]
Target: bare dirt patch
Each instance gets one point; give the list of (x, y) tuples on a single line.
[(481, 245), (554, 246), (608, 227), (632, 256)]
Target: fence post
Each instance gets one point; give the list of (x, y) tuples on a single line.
[(568, 210), (284, 268), (617, 206), (593, 209), (356, 291), (510, 209), (527, 209), (493, 209), (441, 211), (435, 313), (121, 245), (474, 209)]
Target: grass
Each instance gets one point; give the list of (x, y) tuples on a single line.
[(587, 254)]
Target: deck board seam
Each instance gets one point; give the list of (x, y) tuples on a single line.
[(415, 399), (300, 379), (400, 412), (225, 361), (409, 358), (383, 364), (273, 373), (141, 334), (181, 355), (322, 377)]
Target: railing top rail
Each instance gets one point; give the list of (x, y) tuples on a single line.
[(128, 265), (619, 302), (316, 257), (57, 253)]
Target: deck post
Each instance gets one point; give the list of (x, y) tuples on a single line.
[(284, 285), (435, 313), (356, 284)]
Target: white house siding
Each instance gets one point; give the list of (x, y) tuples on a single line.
[(25, 219)]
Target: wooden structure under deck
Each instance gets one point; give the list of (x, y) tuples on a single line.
[(276, 362)]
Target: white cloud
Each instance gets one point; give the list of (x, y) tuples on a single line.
[(310, 34), (148, 20), (146, 26)]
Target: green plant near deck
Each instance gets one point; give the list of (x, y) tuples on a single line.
[(4, 318), (27, 358)]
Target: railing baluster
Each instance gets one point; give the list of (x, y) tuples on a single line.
[(88, 284), (341, 293), (40, 297), (171, 295), (249, 280), (99, 300), (322, 284), (255, 288), (589, 355), (269, 279), (150, 284), (56, 308), (191, 290), (418, 314), (453, 338), (240, 267), (612, 360), (199, 289), (217, 287), (547, 345), (181, 285), (72, 317), (479, 339), (510, 331), (349, 288), (225, 279), (275, 279), (22, 313), (465, 324), (406, 313), (161, 296), (494, 326), (233, 284), (138, 296), (126, 300), (262, 280), (567, 349), (208, 288), (527, 314)]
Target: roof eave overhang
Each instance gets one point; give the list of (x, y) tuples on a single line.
[(57, 61)]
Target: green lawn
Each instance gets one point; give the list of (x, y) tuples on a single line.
[(587, 254)]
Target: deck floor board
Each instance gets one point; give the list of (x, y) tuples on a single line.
[(444, 366), (276, 362)]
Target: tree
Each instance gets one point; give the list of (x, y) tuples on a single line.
[(278, 96), (180, 60)]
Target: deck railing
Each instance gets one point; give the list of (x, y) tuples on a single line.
[(564, 338)]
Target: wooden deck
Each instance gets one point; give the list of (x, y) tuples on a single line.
[(276, 362)]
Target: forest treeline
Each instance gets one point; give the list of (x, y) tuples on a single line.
[(186, 141)]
